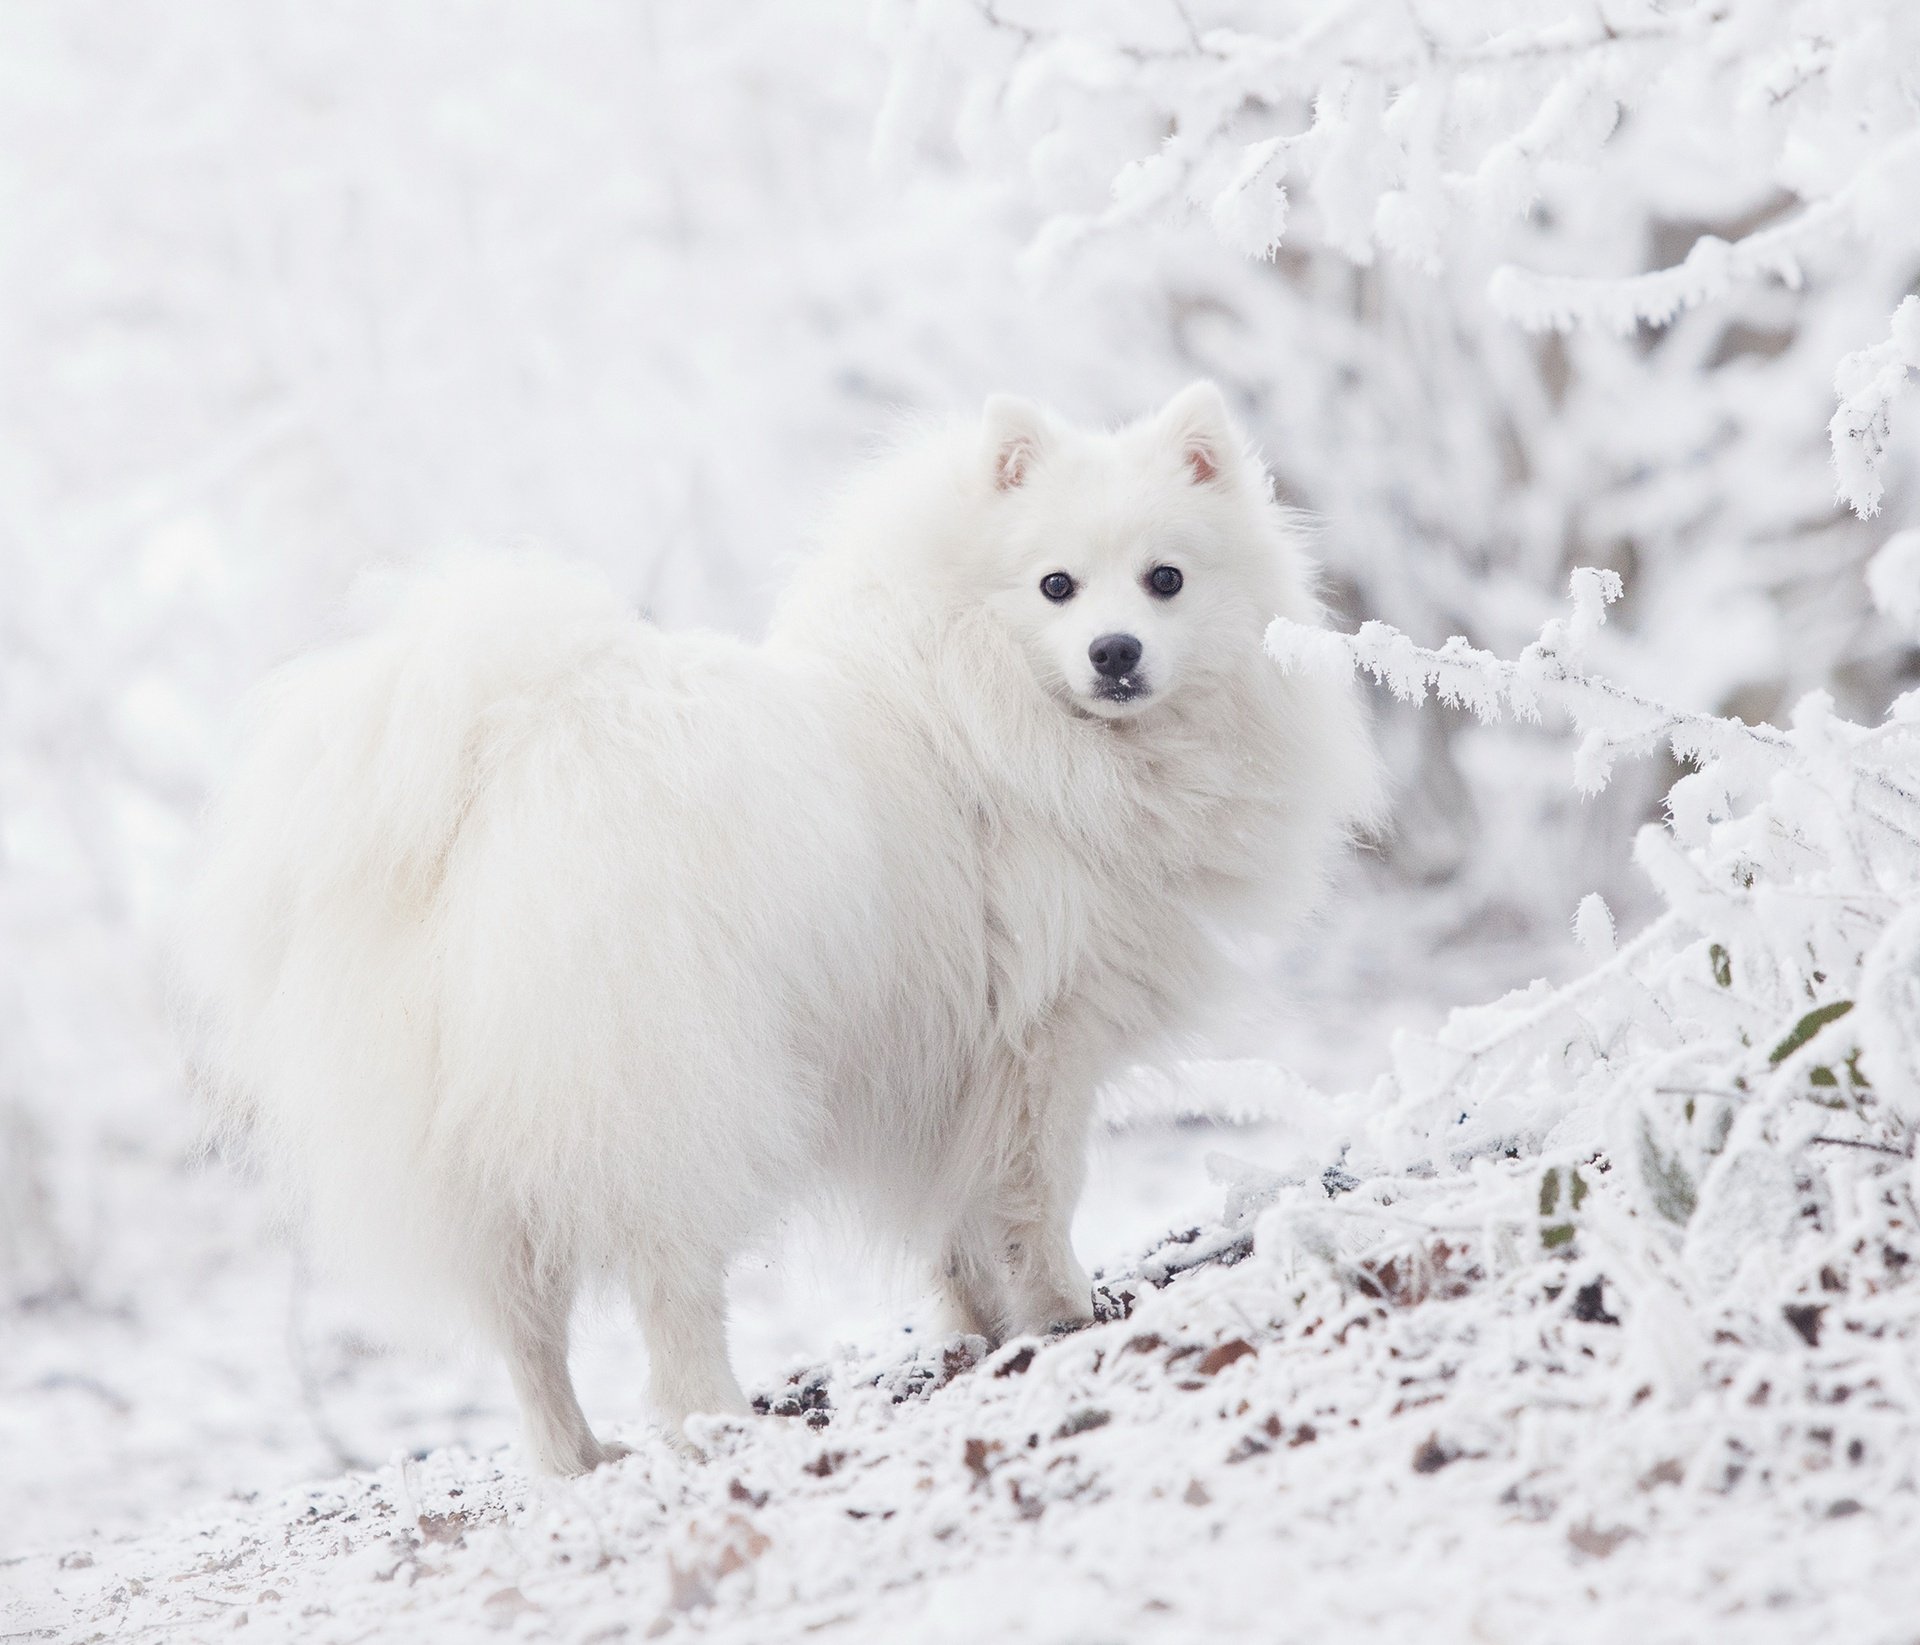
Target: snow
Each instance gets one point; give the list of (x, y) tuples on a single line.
[(1536, 1261), (1323, 1436)]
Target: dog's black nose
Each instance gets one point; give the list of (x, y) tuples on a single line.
[(1114, 655)]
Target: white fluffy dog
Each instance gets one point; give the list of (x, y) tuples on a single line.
[(538, 949)]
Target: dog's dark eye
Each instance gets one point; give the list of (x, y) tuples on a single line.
[(1058, 586), (1165, 580)]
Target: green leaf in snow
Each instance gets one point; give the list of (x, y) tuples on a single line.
[(1807, 1027)]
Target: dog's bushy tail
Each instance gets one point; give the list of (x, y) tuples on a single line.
[(305, 964)]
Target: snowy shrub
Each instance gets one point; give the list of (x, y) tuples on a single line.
[(1726, 1104)]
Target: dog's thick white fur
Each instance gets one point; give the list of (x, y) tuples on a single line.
[(538, 949)]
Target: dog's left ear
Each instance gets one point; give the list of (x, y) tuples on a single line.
[(1197, 421), (1016, 432)]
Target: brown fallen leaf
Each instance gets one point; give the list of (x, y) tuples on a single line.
[(975, 1456), (1083, 1421), (443, 1527), (503, 1604), (744, 1542), (1016, 1363), (1591, 1540), (1218, 1359), (1804, 1317)]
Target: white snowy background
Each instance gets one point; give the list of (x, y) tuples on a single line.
[(1584, 1312)]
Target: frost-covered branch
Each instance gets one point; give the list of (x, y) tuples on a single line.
[(1546, 676), (1868, 384), (1775, 1002), (1622, 304)]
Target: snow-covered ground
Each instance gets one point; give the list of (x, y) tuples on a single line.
[(221, 1367), (1586, 1313), (1451, 1442)]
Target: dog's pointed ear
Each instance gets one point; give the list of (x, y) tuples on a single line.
[(1196, 421), (1016, 431)]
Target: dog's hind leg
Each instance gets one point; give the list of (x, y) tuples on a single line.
[(681, 1299), (532, 1309)]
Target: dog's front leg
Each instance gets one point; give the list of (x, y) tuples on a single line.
[(1047, 1288), (972, 1286)]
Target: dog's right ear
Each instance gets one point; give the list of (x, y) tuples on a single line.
[(1016, 431), (1198, 421)]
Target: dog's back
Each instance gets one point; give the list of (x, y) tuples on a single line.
[(511, 906)]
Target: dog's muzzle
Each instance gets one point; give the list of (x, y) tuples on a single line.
[(1118, 677)]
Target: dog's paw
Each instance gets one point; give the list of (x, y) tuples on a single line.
[(1052, 1317), (577, 1456), (611, 1450)]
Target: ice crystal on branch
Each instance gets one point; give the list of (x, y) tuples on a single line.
[(1868, 383)]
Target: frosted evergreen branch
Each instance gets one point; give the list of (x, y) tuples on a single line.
[(1546, 674), (1572, 39), (1619, 965), (1868, 383), (1781, 909), (1712, 267), (1710, 270)]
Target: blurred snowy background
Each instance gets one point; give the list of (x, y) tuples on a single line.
[(1500, 289)]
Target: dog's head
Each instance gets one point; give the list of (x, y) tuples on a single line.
[(1133, 564)]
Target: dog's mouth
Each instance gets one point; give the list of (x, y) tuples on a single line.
[(1122, 692)]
